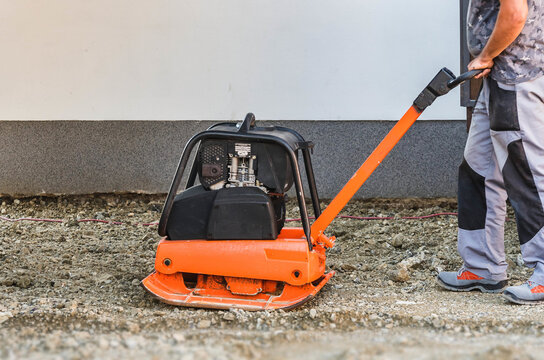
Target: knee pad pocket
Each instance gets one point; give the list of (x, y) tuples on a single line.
[(503, 110)]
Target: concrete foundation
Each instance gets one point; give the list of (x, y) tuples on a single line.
[(74, 157)]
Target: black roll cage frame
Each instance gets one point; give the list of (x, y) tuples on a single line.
[(243, 135)]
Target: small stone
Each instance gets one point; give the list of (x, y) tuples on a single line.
[(5, 316), (204, 324), (229, 316), (103, 343), (179, 337), (397, 241), (7, 282), (134, 327), (72, 223), (402, 274), (24, 282), (519, 260), (414, 261), (16, 201), (135, 282), (457, 329), (53, 342), (437, 323), (131, 343), (348, 267), (313, 313), (511, 264)]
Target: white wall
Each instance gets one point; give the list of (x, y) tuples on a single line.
[(218, 59)]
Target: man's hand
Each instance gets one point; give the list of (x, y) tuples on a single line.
[(510, 22), (481, 63)]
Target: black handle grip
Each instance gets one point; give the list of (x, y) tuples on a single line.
[(440, 85), (464, 77)]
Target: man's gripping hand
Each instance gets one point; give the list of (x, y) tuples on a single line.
[(481, 63)]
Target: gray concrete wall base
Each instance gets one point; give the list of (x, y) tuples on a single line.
[(77, 157)]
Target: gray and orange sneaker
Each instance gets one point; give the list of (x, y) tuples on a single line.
[(464, 280), (529, 293)]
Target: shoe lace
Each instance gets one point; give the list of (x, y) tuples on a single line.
[(461, 270)]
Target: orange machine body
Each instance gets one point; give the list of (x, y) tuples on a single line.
[(246, 274), (285, 259), (258, 274)]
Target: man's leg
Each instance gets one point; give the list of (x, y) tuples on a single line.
[(481, 200), (482, 210), (522, 162)]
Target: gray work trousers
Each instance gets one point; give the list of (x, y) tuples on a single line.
[(503, 159)]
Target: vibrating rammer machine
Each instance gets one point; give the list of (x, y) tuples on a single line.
[(224, 242)]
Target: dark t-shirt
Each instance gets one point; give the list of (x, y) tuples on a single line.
[(523, 60)]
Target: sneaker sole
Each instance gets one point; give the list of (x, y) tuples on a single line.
[(485, 288), (513, 298)]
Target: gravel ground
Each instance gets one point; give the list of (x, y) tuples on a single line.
[(71, 290)]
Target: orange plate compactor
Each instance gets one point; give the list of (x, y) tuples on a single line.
[(224, 242)]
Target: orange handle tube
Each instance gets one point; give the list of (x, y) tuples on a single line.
[(364, 172)]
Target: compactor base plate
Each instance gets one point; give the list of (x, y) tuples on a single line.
[(213, 292)]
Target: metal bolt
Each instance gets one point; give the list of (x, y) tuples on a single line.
[(167, 262)]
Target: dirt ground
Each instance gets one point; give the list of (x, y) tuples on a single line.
[(71, 290)]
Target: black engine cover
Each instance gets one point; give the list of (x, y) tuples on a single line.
[(242, 213), (245, 213)]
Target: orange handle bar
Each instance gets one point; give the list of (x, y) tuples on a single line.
[(440, 85), (364, 172)]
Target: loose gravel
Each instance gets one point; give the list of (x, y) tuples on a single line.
[(72, 290)]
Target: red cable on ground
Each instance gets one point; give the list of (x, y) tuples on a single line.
[(31, 219), (386, 217), (101, 221), (428, 216)]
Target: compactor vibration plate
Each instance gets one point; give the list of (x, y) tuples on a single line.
[(171, 289)]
